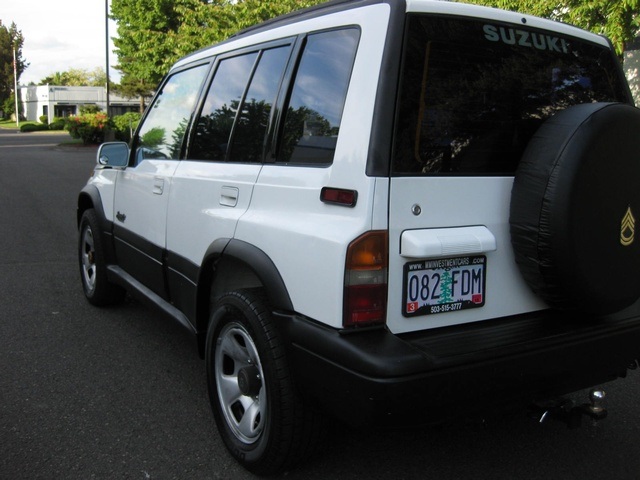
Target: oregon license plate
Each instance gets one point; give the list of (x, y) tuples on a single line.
[(444, 285)]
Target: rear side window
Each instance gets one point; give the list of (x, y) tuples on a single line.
[(249, 135), (213, 127), (315, 105), (472, 93), (235, 117)]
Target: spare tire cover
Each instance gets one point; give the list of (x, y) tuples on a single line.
[(575, 199)]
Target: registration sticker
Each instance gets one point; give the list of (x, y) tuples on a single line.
[(444, 285)]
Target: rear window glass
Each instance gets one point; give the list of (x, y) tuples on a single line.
[(472, 93)]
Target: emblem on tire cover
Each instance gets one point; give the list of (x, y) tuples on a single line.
[(627, 228)]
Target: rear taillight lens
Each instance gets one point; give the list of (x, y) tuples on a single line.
[(365, 281)]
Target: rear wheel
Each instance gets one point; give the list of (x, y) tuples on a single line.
[(262, 421), (93, 269)]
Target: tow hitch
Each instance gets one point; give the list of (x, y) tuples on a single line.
[(567, 411)]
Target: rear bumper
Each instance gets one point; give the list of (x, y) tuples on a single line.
[(375, 377)]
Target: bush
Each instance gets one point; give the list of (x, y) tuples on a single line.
[(44, 119), (124, 124), (32, 127), (89, 108), (90, 128), (57, 124)]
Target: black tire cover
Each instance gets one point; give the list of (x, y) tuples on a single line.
[(575, 198)]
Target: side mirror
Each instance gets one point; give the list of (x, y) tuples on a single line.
[(113, 154)]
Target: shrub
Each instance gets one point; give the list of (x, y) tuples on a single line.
[(90, 128), (32, 127), (44, 119), (89, 108), (57, 124), (124, 124)]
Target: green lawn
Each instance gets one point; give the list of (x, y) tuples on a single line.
[(11, 125)]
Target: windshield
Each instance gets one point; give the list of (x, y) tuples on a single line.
[(472, 93)]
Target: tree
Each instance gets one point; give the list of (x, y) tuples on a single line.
[(148, 40), (10, 39), (153, 34), (619, 20), (77, 77), (250, 12)]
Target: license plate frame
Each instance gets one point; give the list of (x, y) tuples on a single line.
[(444, 285)]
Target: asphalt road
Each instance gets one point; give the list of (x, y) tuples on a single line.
[(120, 393)]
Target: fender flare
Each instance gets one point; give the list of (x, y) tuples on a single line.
[(89, 197), (256, 260)]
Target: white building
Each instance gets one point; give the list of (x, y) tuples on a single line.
[(58, 101)]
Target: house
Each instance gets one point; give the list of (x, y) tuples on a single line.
[(62, 101)]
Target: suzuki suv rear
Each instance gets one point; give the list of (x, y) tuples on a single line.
[(371, 205)]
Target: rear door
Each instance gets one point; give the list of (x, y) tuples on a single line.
[(472, 94), (213, 186)]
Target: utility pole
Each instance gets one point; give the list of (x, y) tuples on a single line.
[(106, 29), (15, 86)]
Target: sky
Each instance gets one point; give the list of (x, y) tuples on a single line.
[(60, 35)]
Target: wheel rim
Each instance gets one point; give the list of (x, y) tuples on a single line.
[(244, 408), (87, 259)]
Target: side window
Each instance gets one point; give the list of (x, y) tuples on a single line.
[(253, 120), (317, 98), (213, 128), (164, 127)]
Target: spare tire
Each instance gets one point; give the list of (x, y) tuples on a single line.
[(574, 201)]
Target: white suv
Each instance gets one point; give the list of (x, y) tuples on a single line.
[(370, 206)]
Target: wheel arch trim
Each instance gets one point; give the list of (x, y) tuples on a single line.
[(89, 197), (256, 260)]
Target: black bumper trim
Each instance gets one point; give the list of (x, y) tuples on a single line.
[(381, 378)]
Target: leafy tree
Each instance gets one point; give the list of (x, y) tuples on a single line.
[(619, 20), (77, 77), (10, 38), (250, 12), (153, 34), (125, 124), (147, 41)]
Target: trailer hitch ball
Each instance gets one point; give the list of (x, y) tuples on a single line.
[(596, 397)]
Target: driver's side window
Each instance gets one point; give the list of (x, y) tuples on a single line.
[(162, 133)]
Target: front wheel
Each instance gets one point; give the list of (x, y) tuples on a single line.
[(263, 423), (93, 269)]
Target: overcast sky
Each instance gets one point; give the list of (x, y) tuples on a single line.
[(60, 35)]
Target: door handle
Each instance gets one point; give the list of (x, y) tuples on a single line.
[(229, 196), (158, 185)]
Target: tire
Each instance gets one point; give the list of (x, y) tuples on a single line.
[(261, 420), (93, 268), (573, 203)]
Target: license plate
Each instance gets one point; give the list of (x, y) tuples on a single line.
[(444, 285)]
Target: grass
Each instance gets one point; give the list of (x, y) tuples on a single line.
[(11, 125)]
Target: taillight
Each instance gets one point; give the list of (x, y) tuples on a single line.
[(365, 281)]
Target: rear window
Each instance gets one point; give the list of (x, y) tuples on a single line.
[(472, 93)]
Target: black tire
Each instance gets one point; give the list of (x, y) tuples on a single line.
[(573, 198), (261, 419), (93, 268)]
